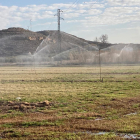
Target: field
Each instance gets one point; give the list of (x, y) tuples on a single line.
[(70, 103)]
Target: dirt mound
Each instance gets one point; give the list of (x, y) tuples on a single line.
[(22, 106)]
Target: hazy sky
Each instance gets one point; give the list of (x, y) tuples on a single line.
[(120, 19)]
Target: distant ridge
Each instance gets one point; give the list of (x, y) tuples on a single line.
[(16, 41), (18, 45)]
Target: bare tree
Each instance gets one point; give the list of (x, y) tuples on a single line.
[(104, 38)]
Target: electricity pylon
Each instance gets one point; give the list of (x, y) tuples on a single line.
[(59, 34)]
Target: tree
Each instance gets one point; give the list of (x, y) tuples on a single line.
[(104, 38)]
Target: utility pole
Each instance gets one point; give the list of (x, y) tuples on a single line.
[(31, 24), (59, 34), (101, 79), (100, 63)]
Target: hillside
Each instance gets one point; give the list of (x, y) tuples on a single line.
[(18, 45), (51, 32), (68, 42), (18, 41)]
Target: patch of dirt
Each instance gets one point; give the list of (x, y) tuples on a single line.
[(22, 106)]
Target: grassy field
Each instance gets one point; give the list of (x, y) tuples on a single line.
[(70, 103)]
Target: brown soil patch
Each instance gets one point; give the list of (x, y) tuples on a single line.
[(30, 117), (22, 106)]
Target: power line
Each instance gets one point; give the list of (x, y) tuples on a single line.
[(72, 5), (75, 3), (90, 6), (51, 23)]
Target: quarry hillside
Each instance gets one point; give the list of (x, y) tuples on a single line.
[(19, 41), (18, 45)]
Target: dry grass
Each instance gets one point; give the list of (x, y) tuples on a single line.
[(80, 102)]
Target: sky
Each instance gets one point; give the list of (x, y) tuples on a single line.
[(88, 19)]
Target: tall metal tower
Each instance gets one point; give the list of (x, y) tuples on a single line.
[(59, 34), (58, 16)]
